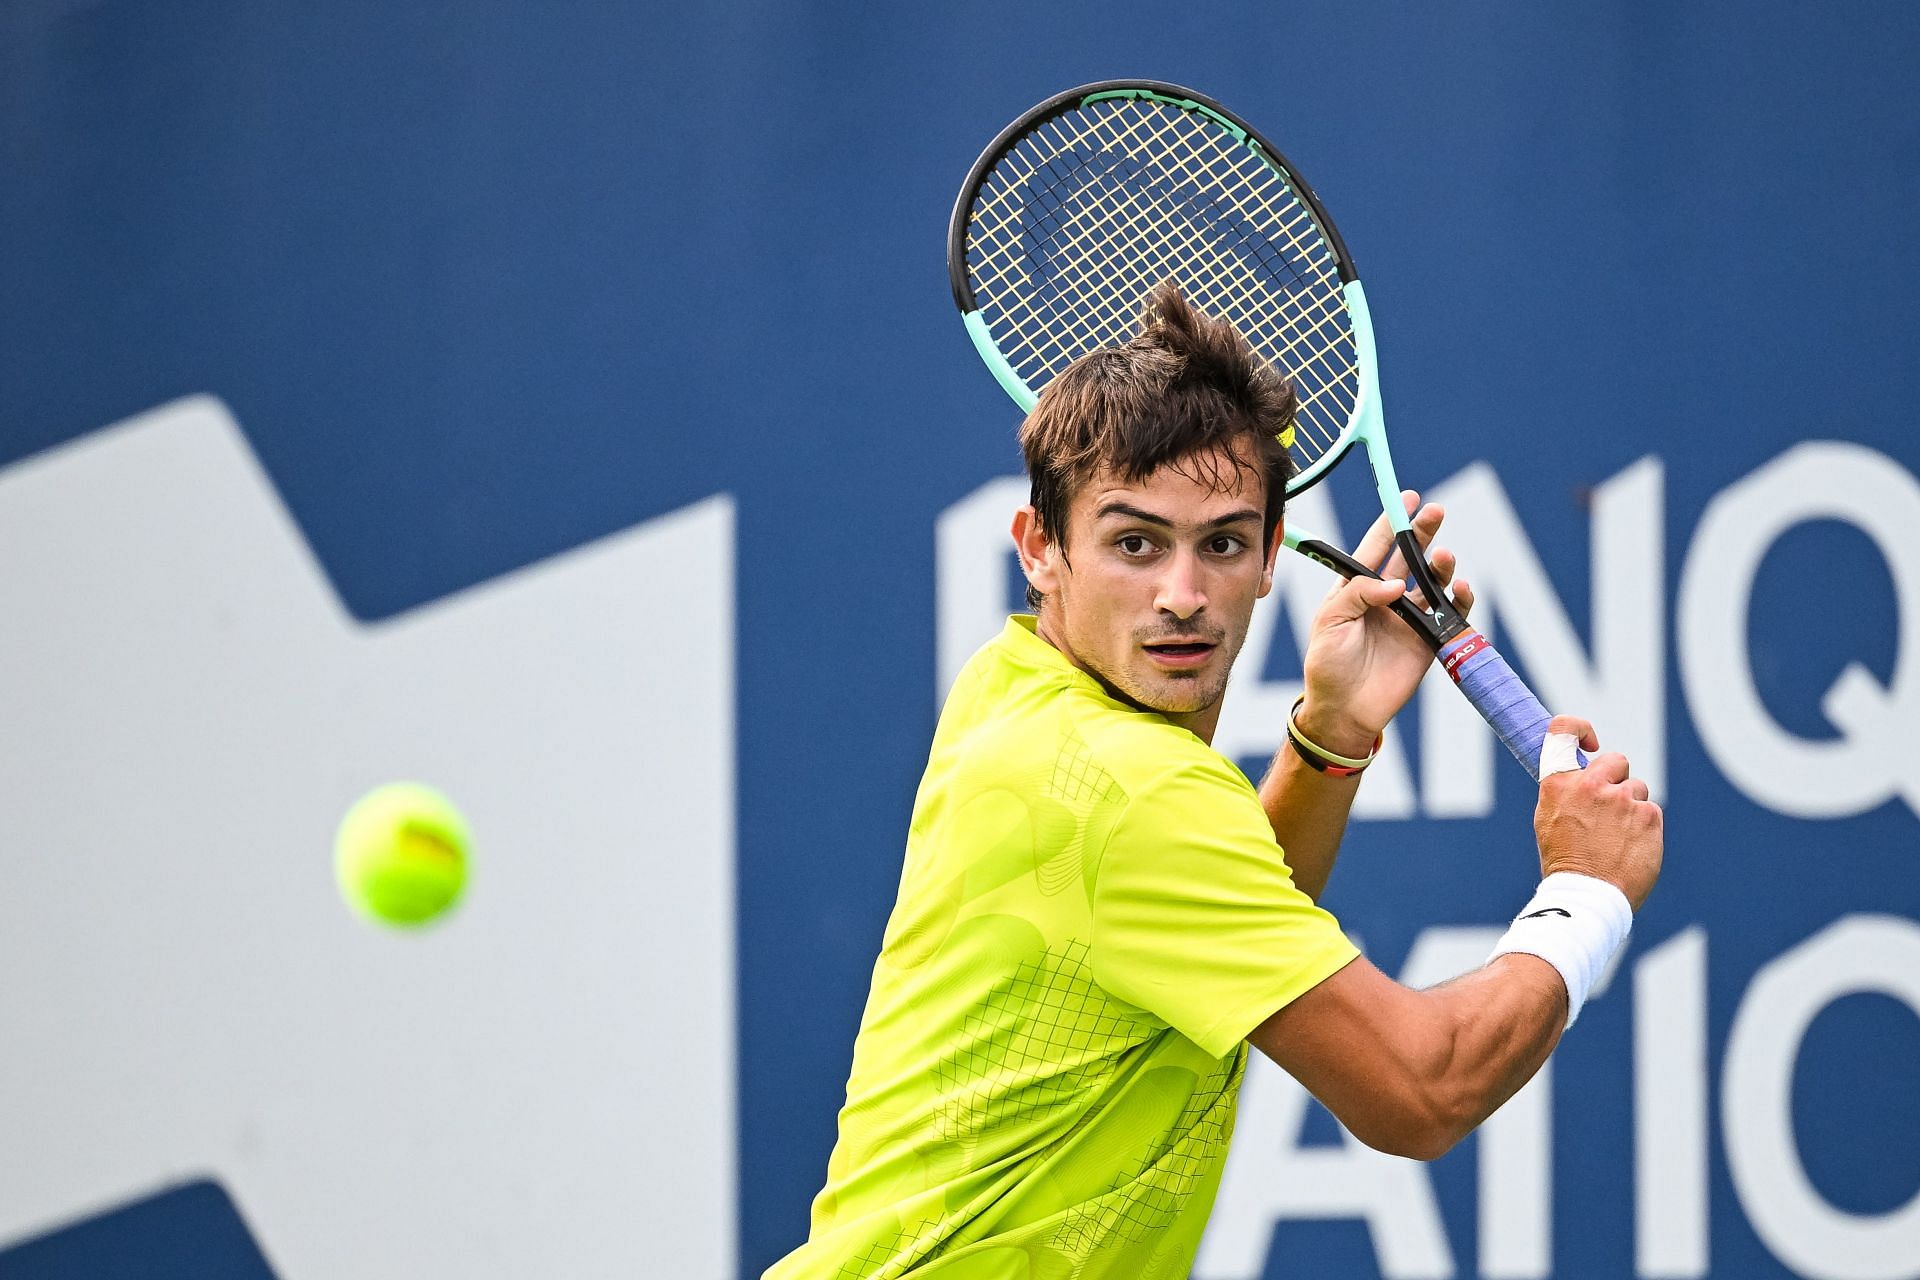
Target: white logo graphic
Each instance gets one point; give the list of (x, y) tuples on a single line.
[(541, 1086)]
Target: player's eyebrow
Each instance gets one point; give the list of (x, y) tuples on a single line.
[(1127, 509)]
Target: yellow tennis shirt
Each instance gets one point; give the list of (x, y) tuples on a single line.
[(1092, 916)]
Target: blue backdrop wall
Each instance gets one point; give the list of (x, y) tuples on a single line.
[(485, 283)]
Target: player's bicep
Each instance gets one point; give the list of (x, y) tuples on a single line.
[(1359, 1042), (1412, 1072)]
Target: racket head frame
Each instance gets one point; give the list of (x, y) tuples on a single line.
[(1059, 104), (1483, 676), (1366, 426)]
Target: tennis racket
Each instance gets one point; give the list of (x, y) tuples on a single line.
[(1083, 204)]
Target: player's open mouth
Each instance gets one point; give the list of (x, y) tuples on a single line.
[(1180, 654)]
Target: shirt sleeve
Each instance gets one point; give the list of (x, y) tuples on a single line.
[(1196, 918)]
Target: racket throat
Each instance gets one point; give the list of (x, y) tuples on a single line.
[(1443, 619)]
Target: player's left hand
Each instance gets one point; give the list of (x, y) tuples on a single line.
[(1363, 662)]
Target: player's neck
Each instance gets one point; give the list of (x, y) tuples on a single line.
[(1201, 724)]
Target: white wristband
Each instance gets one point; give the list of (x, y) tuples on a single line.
[(1576, 924)]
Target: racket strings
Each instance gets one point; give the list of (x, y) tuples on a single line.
[(1220, 256), (1085, 214), (1081, 249)]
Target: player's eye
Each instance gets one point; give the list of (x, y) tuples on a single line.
[(1133, 544), (1225, 544)]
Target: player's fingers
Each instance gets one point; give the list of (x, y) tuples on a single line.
[(1379, 540), (1637, 789), (1444, 562), (1462, 597), (1582, 730), (1426, 523), (1357, 595), (1609, 766)]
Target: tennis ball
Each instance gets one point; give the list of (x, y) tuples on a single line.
[(401, 854)]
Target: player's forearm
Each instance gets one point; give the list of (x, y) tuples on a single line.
[(1412, 1072), (1309, 808), (1308, 811), (1498, 1025)]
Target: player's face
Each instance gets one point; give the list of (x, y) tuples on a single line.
[(1155, 587)]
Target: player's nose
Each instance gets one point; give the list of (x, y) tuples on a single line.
[(1181, 591)]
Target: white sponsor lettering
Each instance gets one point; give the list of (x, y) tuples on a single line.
[(1871, 762), (1856, 954), (1670, 1109), (1515, 1207), (1619, 682), (1617, 677), (1270, 1178)]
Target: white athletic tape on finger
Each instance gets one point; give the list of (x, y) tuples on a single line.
[(1560, 753)]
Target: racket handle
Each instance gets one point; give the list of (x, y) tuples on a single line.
[(1501, 696)]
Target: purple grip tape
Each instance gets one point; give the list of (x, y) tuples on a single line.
[(1500, 696)]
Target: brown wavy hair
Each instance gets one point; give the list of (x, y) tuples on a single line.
[(1182, 392)]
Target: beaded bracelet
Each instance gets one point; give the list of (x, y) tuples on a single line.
[(1318, 757)]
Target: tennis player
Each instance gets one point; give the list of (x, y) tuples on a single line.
[(1098, 912)]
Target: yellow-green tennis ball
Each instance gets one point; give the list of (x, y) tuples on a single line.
[(401, 854)]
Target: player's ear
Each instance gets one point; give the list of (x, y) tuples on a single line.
[(1272, 550), (1039, 557)]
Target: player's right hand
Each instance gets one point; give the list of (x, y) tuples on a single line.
[(1598, 821)]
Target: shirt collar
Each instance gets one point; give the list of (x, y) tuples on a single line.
[(1021, 641)]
